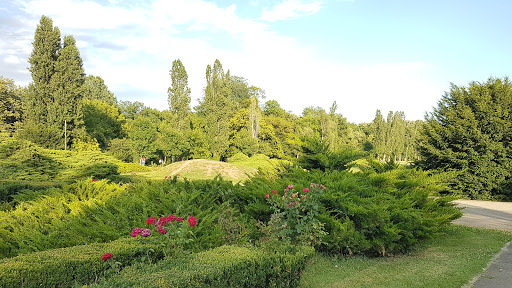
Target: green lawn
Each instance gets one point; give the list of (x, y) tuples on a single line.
[(450, 260)]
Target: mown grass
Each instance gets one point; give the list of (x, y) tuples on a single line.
[(449, 260)]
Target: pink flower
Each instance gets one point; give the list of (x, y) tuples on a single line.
[(192, 221), (136, 232), (161, 230), (289, 204), (145, 233), (290, 186), (268, 195), (178, 175), (162, 220), (323, 187), (305, 190), (171, 218), (273, 191), (179, 219), (165, 177), (106, 256), (150, 220), (94, 180)]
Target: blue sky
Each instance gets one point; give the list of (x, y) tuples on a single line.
[(364, 54)]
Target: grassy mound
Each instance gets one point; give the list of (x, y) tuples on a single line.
[(201, 169)]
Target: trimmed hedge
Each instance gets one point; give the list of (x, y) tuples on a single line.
[(225, 266), (66, 267)]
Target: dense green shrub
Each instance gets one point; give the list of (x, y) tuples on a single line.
[(100, 170), (238, 157), (24, 161), (9, 189), (89, 212), (226, 266), (370, 213), (132, 167), (65, 267)]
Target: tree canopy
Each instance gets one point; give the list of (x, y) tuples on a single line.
[(470, 133)]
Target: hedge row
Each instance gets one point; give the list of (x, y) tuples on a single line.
[(65, 267), (225, 266)]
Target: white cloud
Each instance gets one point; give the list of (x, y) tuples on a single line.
[(12, 59), (133, 49), (290, 9)]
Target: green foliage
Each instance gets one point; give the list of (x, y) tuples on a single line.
[(469, 133), (238, 157), (122, 149), (66, 267), (102, 121), (11, 110), (295, 217), (100, 170), (226, 266), (316, 155), (55, 95), (142, 133), (217, 108), (368, 213), (393, 138), (179, 93), (132, 167), (94, 88)]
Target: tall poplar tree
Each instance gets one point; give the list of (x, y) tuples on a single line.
[(46, 47), (55, 94), (217, 107), (66, 84), (179, 92)]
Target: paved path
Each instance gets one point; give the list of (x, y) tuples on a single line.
[(486, 214), (494, 215)]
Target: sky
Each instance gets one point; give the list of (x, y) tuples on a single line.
[(391, 55)]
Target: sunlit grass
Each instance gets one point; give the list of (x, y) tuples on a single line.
[(201, 169), (450, 260)]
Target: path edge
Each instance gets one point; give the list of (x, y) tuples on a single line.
[(493, 260)]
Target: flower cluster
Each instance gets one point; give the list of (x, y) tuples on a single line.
[(176, 233), (295, 213), (106, 256), (170, 176), (160, 223)]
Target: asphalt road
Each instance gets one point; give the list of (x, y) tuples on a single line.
[(485, 214)]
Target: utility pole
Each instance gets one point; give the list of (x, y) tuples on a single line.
[(65, 136)]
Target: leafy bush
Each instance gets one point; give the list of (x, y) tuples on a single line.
[(238, 157), (65, 267), (132, 167), (89, 212), (25, 161), (59, 218), (100, 170), (369, 213), (226, 266)]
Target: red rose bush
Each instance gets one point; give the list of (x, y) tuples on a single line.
[(295, 211), (170, 232)]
